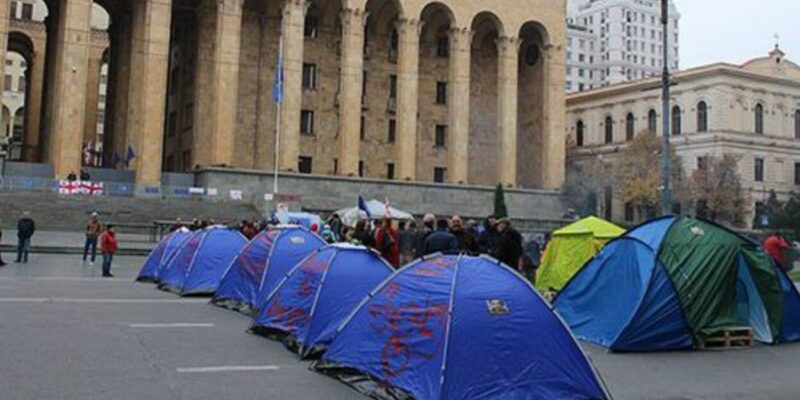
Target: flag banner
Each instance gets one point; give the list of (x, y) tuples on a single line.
[(196, 190), (212, 191), (236, 195), (68, 187), (277, 85), (362, 205)]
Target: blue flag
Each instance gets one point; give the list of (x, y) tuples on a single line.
[(130, 155), (277, 86), (362, 205)]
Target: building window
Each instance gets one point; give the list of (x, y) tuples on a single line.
[(188, 115), (21, 84), (702, 163), (172, 123), (362, 134), (759, 170), (392, 86), (361, 168), (27, 11), (630, 127), (797, 124), (609, 126), (394, 42), (797, 174), (392, 134), (759, 116), (443, 46), (441, 92), (676, 121), (702, 117), (309, 76), (579, 128), (304, 164), (608, 201), (186, 160), (307, 122), (310, 27), (390, 171), (335, 166), (8, 82), (440, 139), (652, 121), (439, 174)]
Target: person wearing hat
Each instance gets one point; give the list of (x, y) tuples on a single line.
[(93, 230)]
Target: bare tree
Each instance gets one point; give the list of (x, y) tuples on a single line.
[(717, 193)]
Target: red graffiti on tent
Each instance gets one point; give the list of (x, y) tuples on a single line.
[(249, 265), (287, 316), (404, 323), (432, 268)]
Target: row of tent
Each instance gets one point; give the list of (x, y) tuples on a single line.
[(445, 326), (666, 285)]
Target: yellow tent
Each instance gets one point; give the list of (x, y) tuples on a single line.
[(570, 248)]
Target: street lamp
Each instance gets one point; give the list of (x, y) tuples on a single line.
[(666, 194)]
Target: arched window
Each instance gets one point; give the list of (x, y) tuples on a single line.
[(797, 124), (609, 125), (630, 127), (579, 134), (676, 121), (652, 121), (702, 117), (759, 119)]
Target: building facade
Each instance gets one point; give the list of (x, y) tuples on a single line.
[(751, 111), (417, 90), (613, 41), (24, 74)]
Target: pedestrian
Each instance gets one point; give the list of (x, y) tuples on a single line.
[(26, 227), (509, 244), (531, 258), (407, 241), (336, 224), (2, 263), (428, 227), (488, 238), (328, 234), (387, 242), (178, 224), (466, 242), (363, 234), (93, 230), (72, 177), (441, 240), (109, 247), (85, 175), (776, 246)]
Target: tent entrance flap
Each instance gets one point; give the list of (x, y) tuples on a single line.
[(749, 307)]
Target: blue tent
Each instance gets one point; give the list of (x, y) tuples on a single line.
[(279, 249), (459, 327), (318, 294), (198, 266), (674, 281), (161, 255)]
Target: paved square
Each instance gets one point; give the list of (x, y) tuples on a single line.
[(68, 334)]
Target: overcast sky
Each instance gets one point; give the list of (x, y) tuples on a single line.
[(736, 30)]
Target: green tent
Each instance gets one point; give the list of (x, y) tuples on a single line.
[(570, 248)]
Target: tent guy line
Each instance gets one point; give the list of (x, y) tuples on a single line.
[(229, 368)]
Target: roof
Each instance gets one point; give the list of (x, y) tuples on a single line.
[(598, 227)]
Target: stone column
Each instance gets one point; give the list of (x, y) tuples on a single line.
[(115, 137), (408, 31), (458, 105), (92, 97), (218, 82), (73, 36), (292, 24), (553, 135), (4, 22), (507, 92), (351, 77), (148, 88), (32, 152)]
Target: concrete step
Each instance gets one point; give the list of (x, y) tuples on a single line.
[(12, 250)]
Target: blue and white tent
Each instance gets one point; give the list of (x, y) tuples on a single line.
[(198, 266), (279, 249), (161, 255), (316, 296), (459, 327)]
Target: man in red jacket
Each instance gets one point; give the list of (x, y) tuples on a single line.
[(776, 247), (108, 246)]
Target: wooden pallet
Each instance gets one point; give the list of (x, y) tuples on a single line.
[(730, 338)]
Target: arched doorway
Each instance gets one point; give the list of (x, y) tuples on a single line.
[(484, 146), (23, 97), (531, 105)]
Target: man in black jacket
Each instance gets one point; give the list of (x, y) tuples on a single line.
[(441, 241), (25, 230), (509, 244), (466, 242)]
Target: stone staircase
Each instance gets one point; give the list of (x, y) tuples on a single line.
[(69, 213)]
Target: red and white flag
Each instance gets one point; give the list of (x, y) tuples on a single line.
[(68, 187), (387, 213)]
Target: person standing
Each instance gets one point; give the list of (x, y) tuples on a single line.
[(93, 230), (427, 228), (509, 244), (26, 227), (407, 242), (489, 237), (387, 242), (109, 247), (776, 246), (441, 241), (466, 242)]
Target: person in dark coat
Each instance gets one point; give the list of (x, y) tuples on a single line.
[(26, 227), (441, 241), (509, 244), (531, 258), (466, 242), (428, 226), (336, 225), (407, 242), (363, 234), (488, 238)]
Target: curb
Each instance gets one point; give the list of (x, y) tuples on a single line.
[(72, 250)]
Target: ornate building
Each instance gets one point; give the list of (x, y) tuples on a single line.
[(751, 111), (447, 91)]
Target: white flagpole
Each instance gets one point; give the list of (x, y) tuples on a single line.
[(278, 118)]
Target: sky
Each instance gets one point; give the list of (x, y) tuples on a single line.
[(735, 31)]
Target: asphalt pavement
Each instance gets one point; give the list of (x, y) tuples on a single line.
[(66, 333)]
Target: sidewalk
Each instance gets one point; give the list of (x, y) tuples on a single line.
[(60, 242)]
